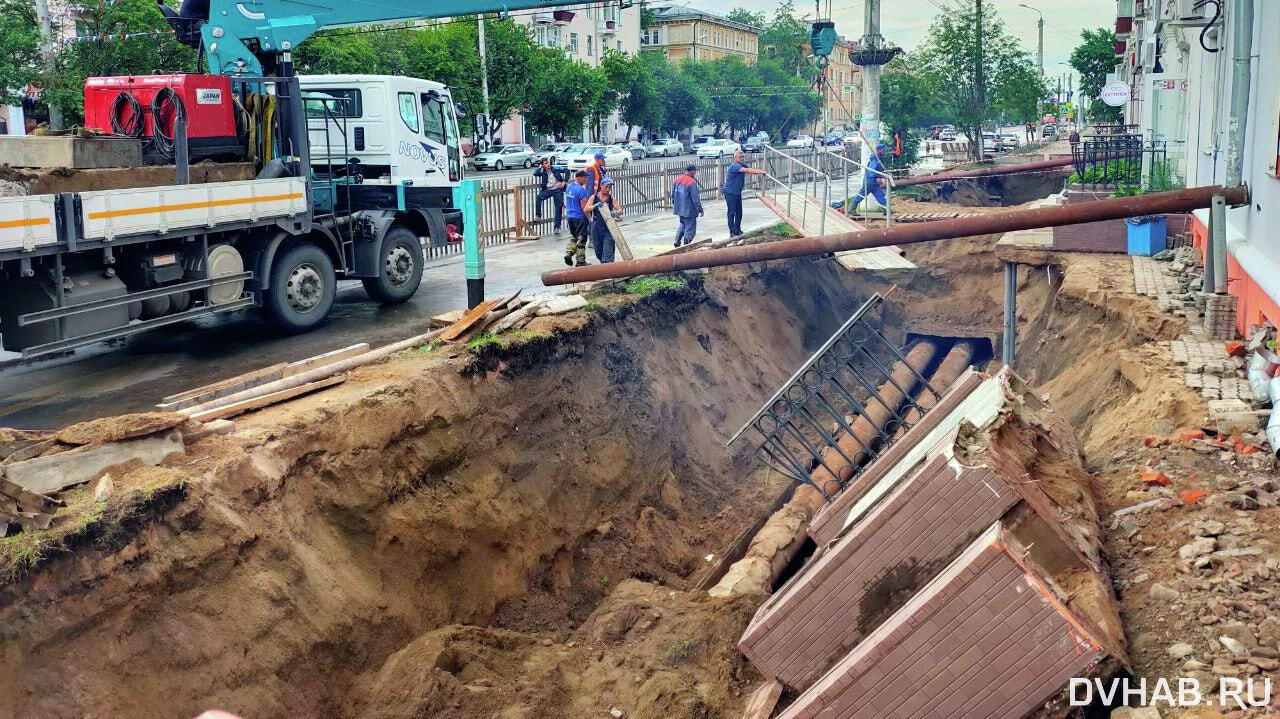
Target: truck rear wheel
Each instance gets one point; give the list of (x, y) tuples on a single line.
[(302, 289), (401, 270)]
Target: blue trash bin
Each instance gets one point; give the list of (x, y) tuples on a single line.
[(1145, 235)]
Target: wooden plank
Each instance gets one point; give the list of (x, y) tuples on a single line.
[(49, 474), (311, 363), (215, 390), (763, 700), (469, 318), (267, 399), (445, 319), (619, 239), (210, 428)]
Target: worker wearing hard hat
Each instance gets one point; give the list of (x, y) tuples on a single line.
[(596, 172), (598, 204)]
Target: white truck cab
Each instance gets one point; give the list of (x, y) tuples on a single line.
[(398, 128)]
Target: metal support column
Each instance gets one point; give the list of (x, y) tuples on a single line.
[(1217, 247), (466, 197), (1010, 313)]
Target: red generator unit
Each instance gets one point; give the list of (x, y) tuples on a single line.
[(138, 105)]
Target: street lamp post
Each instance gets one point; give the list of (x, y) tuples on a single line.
[(1039, 57)]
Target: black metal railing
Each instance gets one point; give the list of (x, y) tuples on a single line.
[(799, 429), (1112, 162)]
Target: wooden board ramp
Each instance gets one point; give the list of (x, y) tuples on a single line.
[(876, 258)]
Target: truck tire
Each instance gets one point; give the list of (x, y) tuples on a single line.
[(302, 288), (400, 271)]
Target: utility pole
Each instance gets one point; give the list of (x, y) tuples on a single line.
[(46, 37), (484, 85), (980, 80), (1039, 57), (871, 40)]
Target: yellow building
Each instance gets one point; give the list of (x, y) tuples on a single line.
[(842, 102), (685, 32)]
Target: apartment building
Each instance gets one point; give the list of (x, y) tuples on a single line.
[(683, 32), (583, 32), (1178, 61)]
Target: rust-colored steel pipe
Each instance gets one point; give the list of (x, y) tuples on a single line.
[(992, 170), (906, 234)]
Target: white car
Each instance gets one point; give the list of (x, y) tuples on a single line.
[(551, 149), (800, 141), (717, 148), (505, 157), (635, 149), (948, 134), (583, 155), (1010, 140), (991, 143), (852, 138), (666, 147)]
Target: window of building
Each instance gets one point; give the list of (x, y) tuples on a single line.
[(619, 46), (590, 49), (573, 42)]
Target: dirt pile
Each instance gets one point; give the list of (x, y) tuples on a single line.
[(324, 537), (647, 651)]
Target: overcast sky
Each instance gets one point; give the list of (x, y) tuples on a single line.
[(905, 22)]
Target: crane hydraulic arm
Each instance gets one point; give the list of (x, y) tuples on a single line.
[(248, 37)]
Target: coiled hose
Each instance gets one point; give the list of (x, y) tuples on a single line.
[(164, 144), (133, 126)]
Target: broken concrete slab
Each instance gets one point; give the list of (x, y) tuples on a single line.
[(561, 304), (79, 153), (991, 635), (48, 474)]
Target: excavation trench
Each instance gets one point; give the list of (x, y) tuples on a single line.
[(522, 533)]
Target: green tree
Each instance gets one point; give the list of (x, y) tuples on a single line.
[(642, 104), (1019, 91), (788, 103), (747, 17), (1093, 58), (684, 99), (135, 56), (949, 58), (19, 48), (906, 103), (786, 41), (573, 86)]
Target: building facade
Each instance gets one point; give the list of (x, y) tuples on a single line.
[(583, 33), (1182, 92), (683, 32)]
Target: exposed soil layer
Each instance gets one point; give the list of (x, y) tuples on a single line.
[(519, 534), (994, 191), (328, 535)]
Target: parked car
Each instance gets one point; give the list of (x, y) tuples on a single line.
[(504, 157), (1049, 130), (717, 148), (948, 134), (551, 149), (699, 141), (666, 147), (614, 156), (1010, 140), (833, 139), (762, 136), (800, 141), (852, 138), (754, 144), (638, 151)]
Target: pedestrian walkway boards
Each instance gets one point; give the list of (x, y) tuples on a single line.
[(808, 222)]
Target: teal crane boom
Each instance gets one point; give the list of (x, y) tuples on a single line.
[(254, 37)]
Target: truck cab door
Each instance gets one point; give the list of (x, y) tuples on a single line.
[(441, 126)]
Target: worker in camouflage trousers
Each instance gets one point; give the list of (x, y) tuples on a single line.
[(575, 200)]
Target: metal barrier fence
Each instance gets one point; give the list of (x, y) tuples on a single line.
[(1116, 161), (509, 205)]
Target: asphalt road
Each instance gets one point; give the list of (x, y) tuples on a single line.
[(522, 172)]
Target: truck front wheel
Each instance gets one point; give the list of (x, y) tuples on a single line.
[(401, 271), (302, 289)]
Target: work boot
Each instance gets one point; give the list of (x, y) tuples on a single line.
[(568, 260), (580, 263)]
